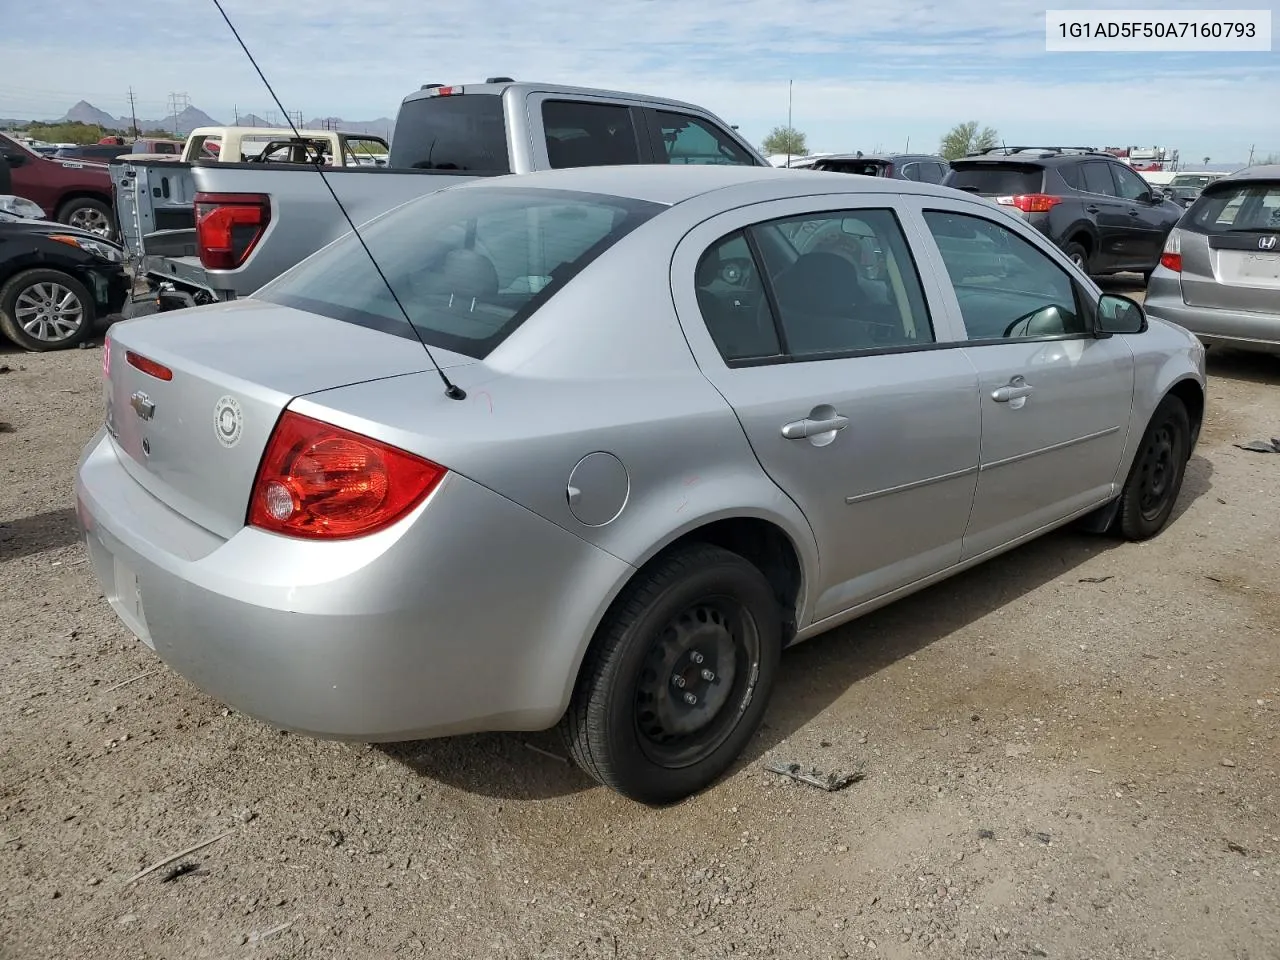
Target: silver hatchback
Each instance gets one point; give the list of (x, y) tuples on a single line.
[(1220, 273), (683, 418)]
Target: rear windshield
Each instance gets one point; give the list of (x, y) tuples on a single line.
[(463, 132), (865, 168), (1237, 208), (469, 265), (996, 179)]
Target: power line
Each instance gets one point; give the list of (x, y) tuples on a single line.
[(178, 102)]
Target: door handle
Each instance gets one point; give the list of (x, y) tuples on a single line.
[(1133, 212), (1092, 208), (799, 429), (1015, 389)]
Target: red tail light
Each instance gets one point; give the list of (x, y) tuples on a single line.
[(148, 366), (321, 482), (229, 226), (1171, 258), (1031, 202)]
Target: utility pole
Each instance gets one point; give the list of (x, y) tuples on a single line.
[(1250, 163), (133, 113), (790, 129), (235, 110)]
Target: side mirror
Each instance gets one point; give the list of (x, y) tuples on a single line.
[(1117, 314)]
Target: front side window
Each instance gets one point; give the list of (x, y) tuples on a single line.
[(581, 134), (687, 139), (1129, 184), (469, 265), (1006, 287)]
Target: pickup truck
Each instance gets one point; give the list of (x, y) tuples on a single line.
[(69, 191), (208, 231)]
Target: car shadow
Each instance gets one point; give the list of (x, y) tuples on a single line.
[(813, 675), (1245, 366), (36, 534)]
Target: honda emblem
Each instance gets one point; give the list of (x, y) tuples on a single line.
[(1266, 243)]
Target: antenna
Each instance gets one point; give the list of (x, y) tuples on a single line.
[(451, 389)]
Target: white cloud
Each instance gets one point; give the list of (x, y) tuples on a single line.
[(877, 65)]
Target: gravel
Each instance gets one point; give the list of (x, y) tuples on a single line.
[(1070, 752)]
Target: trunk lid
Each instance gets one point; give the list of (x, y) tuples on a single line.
[(1230, 245), (194, 441)]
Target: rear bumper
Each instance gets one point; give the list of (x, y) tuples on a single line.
[(471, 614), (1236, 328)]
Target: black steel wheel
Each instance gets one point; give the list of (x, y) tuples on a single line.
[(678, 676), (1155, 479)]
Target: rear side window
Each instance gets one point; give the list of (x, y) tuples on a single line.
[(581, 134), (465, 132), (468, 265), (687, 139), (838, 283), (911, 171), (1096, 176), (996, 179), (1238, 208)]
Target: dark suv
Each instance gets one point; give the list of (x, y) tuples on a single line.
[(1101, 213), (902, 166)]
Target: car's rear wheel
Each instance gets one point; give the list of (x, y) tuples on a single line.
[(1078, 254), (88, 214), (1155, 479), (678, 676), (46, 310)]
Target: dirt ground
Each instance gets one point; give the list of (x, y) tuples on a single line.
[(1070, 753)]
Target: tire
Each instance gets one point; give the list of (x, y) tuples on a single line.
[(1155, 479), (699, 610), (29, 314), (1078, 255), (85, 213)]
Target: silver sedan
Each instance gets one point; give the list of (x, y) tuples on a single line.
[(682, 419)]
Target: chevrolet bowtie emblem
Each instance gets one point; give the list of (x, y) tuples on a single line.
[(142, 405)]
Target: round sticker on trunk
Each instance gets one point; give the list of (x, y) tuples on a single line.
[(228, 421)]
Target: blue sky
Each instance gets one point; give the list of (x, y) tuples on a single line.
[(867, 73)]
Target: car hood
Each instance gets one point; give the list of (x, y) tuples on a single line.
[(45, 228)]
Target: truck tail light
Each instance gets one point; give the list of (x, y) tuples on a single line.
[(1171, 259), (1030, 202), (229, 226), (321, 482)]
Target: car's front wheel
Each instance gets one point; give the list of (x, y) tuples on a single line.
[(1155, 479), (678, 676), (46, 310)]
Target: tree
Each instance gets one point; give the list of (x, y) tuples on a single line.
[(965, 138), (785, 140)]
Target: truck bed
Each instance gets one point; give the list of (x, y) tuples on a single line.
[(156, 200)]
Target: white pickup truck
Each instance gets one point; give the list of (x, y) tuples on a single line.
[(202, 230)]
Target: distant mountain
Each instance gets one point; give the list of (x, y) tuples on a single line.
[(85, 112), (193, 117)]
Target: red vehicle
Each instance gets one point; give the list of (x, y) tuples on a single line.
[(74, 193)]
